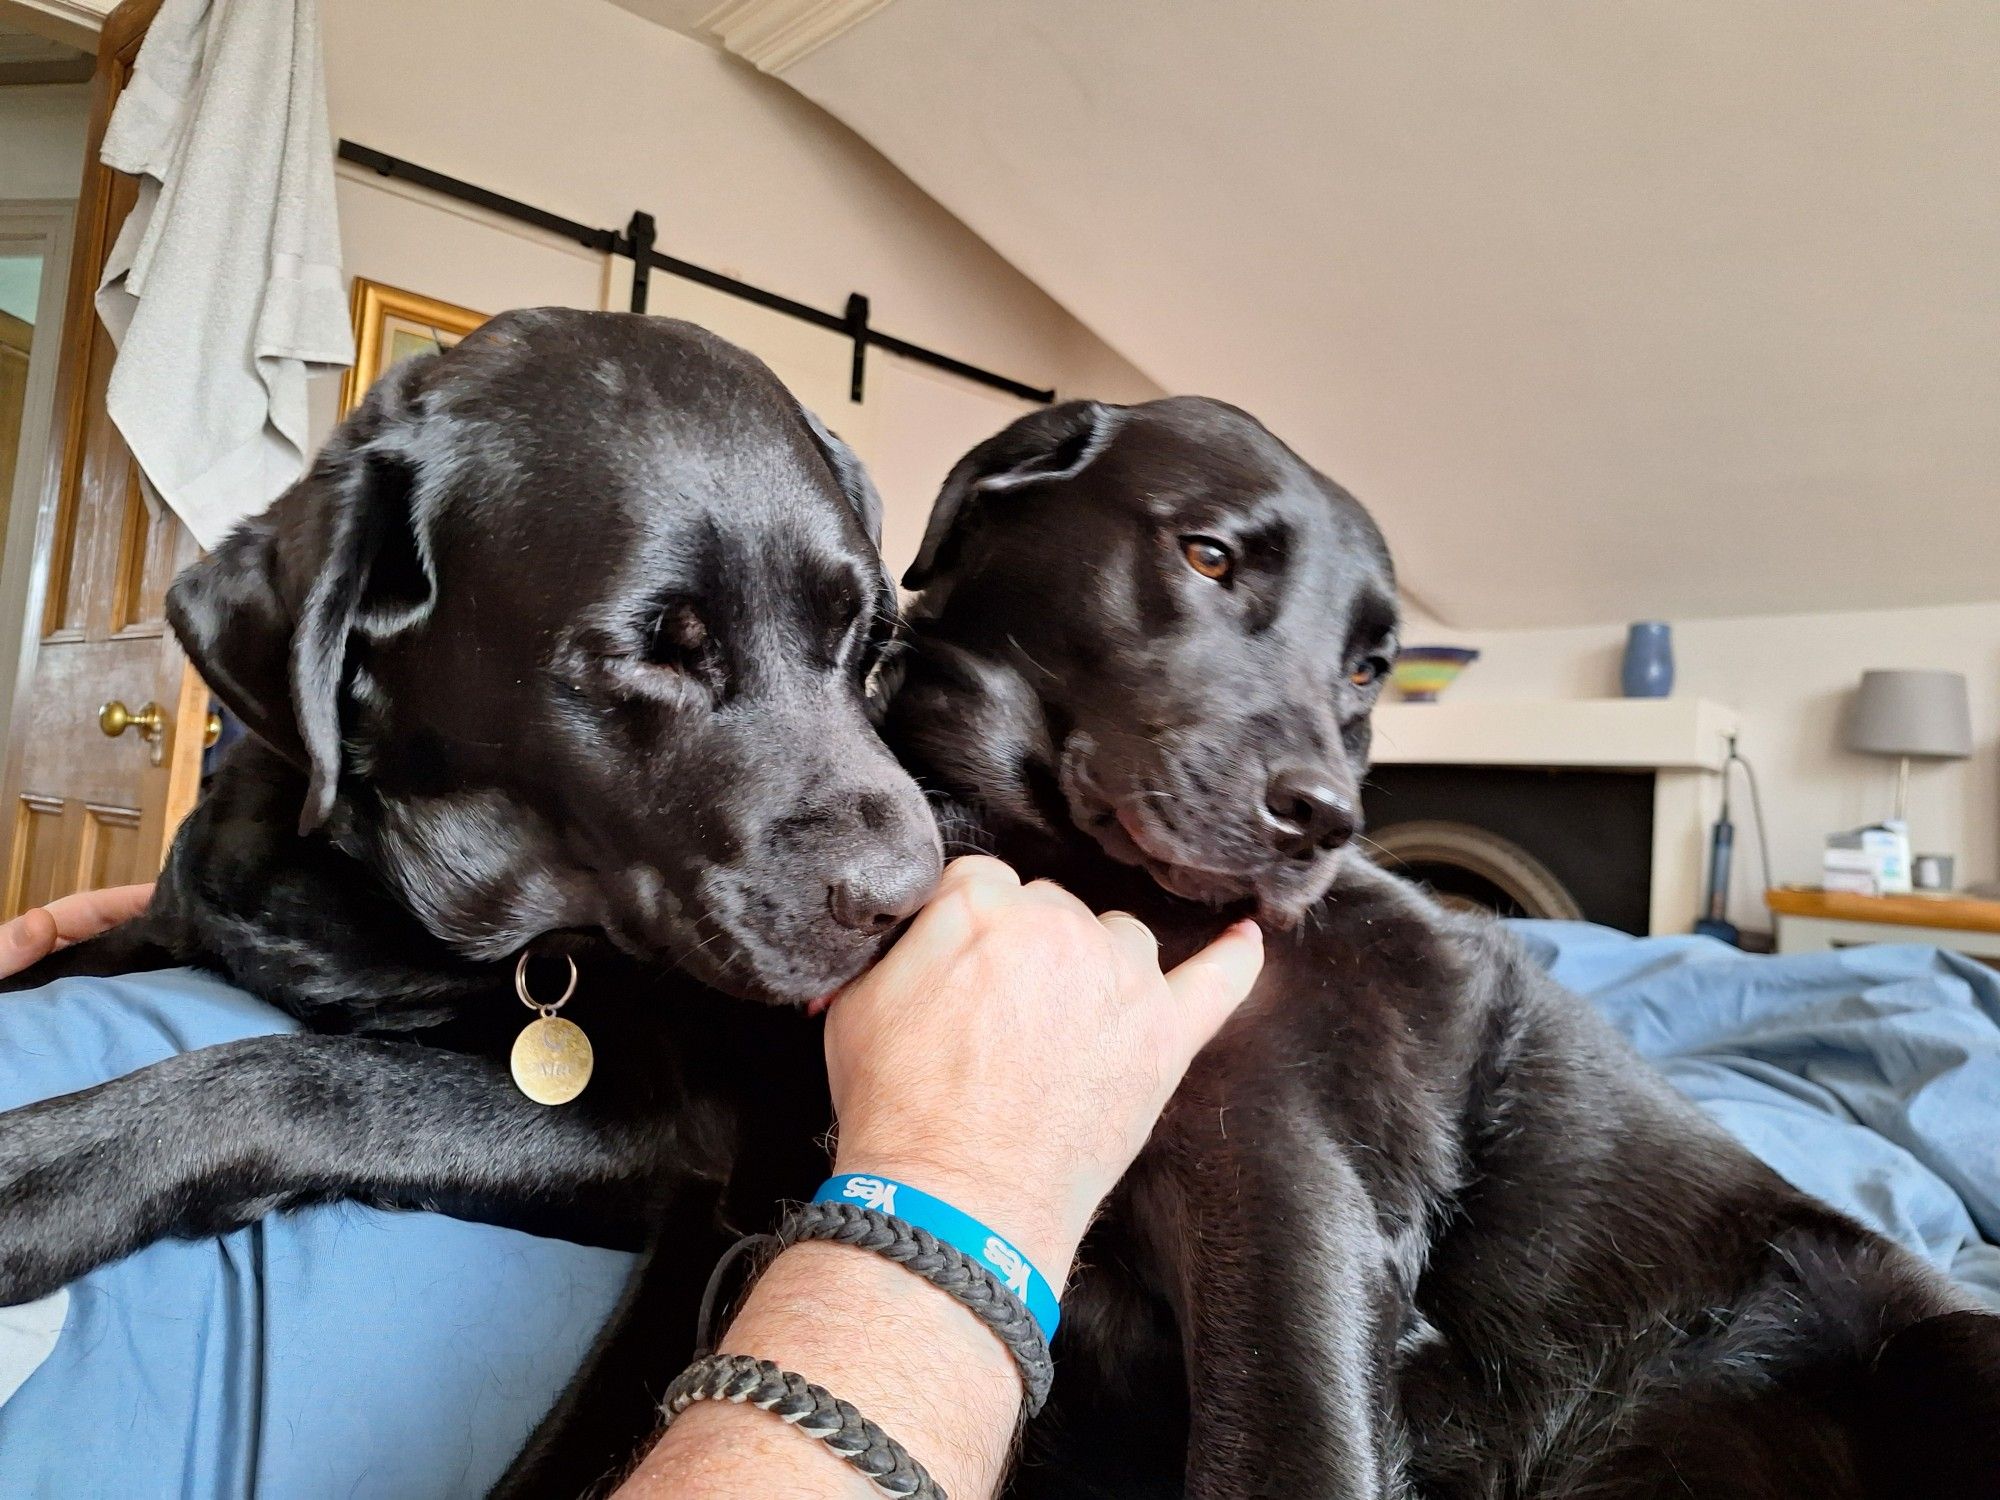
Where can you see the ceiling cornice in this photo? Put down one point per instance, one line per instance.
(771, 35)
(76, 22)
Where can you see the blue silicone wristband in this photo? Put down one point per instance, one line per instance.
(960, 1230)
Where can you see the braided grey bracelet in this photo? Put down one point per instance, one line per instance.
(743, 1380)
(945, 1267)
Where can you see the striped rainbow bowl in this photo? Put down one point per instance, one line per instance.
(1422, 672)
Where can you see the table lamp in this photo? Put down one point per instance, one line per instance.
(1910, 715)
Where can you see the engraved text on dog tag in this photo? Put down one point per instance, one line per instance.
(551, 1060)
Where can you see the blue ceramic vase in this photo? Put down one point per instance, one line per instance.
(1649, 660)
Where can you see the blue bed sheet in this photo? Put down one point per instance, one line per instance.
(1869, 1077)
(341, 1351)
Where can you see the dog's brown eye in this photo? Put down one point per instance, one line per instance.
(1208, 557)
(1369, 672)
(875, 644)
(679, 638)
(679, 631)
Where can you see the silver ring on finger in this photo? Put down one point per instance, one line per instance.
(1126, 916)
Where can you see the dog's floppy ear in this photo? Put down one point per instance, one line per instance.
(854, 480)
(268, 615)
(1058, 443)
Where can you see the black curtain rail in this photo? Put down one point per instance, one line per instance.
(637, 244)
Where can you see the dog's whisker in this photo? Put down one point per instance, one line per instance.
(1026, 656)
(1367, 843)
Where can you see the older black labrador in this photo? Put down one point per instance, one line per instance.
(562, 643)
(1418, 1223)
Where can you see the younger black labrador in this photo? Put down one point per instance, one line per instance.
(1418, 1223)
(563, 643)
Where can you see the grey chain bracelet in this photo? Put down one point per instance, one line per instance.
(945, 1267)
(812, 1410)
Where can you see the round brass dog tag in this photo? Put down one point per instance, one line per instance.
(551, 1060)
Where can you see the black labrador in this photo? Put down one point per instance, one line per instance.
(561, 643)
(1418, 1223)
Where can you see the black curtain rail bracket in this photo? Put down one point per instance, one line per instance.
(637, 244)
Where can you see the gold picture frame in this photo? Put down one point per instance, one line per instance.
(391, 324)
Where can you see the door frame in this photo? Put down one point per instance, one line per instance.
(45, 224)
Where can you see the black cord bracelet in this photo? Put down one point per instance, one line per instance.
(814, 1411)
(945, 1267)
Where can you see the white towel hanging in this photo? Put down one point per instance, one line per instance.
(223, 291)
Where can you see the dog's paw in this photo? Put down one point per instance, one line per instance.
(25, 1279)
(65, 1207)
(33, 1263)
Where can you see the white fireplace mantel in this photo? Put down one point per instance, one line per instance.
(1683, 743)
(1638, 734)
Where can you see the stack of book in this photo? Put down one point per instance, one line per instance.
(1873, 861)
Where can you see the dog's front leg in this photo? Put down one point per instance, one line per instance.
(1287, 1307)
(209, 1140)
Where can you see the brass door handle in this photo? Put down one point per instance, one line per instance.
(114, 718)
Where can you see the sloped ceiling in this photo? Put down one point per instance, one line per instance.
(1609, 310)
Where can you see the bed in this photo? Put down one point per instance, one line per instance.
(345, 1351)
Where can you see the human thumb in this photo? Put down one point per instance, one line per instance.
(1210, 985)
(27, 939)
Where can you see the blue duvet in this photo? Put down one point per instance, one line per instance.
(1868, 1076)
(342, 1351)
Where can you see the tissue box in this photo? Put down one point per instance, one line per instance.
(1868, 861)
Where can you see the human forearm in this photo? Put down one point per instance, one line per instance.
(906, 1355)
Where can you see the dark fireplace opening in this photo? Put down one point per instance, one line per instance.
(1521, 841)
(1468, 866)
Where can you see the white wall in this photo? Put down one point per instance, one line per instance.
(1790, 676)
(42, 131)
(585, 109)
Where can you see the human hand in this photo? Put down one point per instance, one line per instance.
(37, 933)
(1011, 1052)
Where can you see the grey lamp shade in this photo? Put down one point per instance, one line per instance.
(1911, 713)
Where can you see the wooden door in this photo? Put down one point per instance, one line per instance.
(79, 808)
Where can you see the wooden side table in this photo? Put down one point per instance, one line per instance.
(1812, 921)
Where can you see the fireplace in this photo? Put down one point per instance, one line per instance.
(1594, 810)
(1522, 841)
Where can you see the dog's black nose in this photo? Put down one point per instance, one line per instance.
(1308, 811)
(874, 898)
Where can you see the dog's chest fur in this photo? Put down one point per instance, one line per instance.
(1359, 1024)
(1373, 1039)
